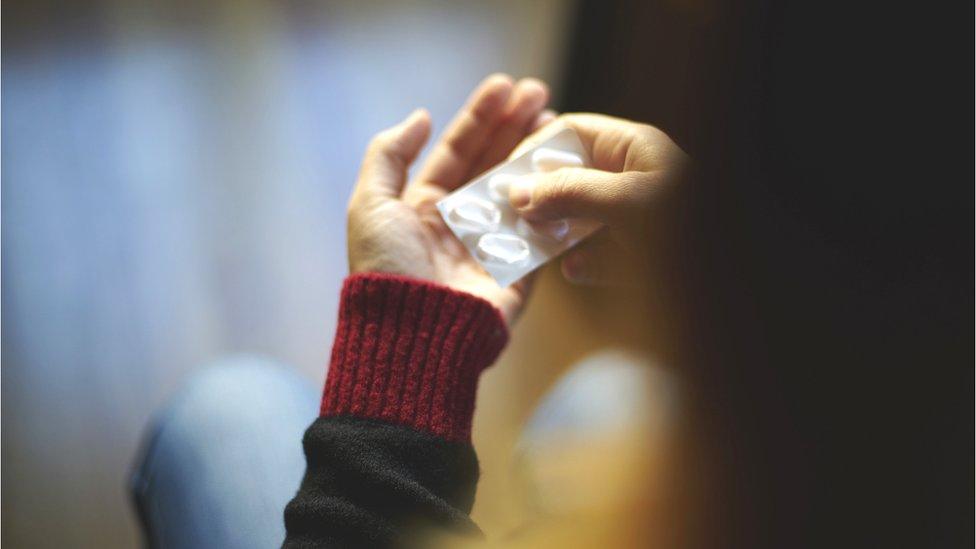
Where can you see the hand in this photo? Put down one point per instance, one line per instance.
(395, 227)
(635, 167)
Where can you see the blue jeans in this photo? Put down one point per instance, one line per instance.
(225, 456)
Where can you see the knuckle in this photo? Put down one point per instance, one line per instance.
(560, 186)
(648, 134)
(635, 193)
(559, 182)
(648, 129)
(665, 149)
(564, 188)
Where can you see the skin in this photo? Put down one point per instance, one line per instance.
(394, 226)
(634, 168)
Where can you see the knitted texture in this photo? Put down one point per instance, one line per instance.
(410, 352)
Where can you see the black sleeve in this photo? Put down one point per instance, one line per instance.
(390, 459)
(368, 484)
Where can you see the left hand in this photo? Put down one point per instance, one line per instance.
(635, 187)
(395, 227)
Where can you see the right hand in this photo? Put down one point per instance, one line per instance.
(634, 167)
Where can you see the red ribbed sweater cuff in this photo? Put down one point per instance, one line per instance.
(410, 352)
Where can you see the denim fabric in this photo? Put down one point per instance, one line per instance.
(224, 458)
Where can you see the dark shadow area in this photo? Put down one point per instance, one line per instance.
(825, 269)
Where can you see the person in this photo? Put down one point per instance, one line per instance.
(811, 299)
(390, 454)
(420, 320)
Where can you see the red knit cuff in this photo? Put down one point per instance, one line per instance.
(410, 352)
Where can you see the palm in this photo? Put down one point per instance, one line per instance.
(405, 233)
(450, 261)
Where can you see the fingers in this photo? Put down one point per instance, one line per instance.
(544, 118)
(598, 261)
(613, 144)
(524, 106)
(547, 125)
(390, 153)
(608, 197)
(466, 137)
(522, 290)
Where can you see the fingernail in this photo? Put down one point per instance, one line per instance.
(573, 268)
(520, 192)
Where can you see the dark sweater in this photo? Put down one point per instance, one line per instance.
(391, 455)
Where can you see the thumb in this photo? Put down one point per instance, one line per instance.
(390, 153)
(608, 197)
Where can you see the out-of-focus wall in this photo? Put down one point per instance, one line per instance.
(174, 188)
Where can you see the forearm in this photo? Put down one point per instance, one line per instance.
(392, 447)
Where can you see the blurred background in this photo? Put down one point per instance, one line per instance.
(175, 176)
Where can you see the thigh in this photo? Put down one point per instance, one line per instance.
(592, 443)
(225, 456)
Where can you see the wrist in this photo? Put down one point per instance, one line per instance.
(410, 352)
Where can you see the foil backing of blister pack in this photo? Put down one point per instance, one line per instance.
(507, 246)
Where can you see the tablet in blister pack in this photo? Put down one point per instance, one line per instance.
(507, 246)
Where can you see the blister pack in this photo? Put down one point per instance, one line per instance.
(507, 246)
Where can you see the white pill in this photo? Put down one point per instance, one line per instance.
(506, 249)
(547, 160)
(499, 184)
(476, 215)
(556, 230)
